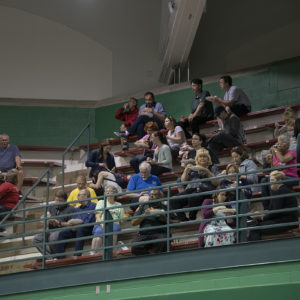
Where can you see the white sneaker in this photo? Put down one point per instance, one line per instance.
(92, 253)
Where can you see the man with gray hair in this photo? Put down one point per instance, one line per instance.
(85, 215)
(142, 180)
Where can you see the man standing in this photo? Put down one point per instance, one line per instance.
(58, 221)
(81, 185)
(231, 135)
(150, 111)
(234, 98)
(10, 158)
(201, 109)
(84, 216)
(150, 216)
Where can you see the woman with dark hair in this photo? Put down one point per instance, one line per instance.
(241, 158)
(146, 143)
(101, 159)
(175, 135)
(217, 226)
(162, 158)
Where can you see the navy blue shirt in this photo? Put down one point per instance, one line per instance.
(88, 217)
(8, 157)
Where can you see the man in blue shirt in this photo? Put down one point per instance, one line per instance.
(150, 111)
(142, 180)
(84, 216)
(10, 158)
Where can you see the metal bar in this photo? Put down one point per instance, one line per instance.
(168, 220)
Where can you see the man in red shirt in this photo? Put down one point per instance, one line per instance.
(128, 117)
(9, 195)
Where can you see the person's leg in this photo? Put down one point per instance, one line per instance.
(81, 232)
(53, 237)
(255, 235)
(3, 209)
(116, 228)
(195, 124)
(38, 239)
(63, 235)
(140, 249)
(239, 109)
(20, 176)
(158, 247)
(139, 124)
(135, 162)
(157, 170)
(185, 125)
(178, 204)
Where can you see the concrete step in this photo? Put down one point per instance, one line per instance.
(35, 168)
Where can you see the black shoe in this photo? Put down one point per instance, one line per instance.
(193, 215)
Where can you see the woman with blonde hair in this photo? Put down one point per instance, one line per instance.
(203, 169)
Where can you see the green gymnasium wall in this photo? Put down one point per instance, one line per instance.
(276, 282)
(278, 85)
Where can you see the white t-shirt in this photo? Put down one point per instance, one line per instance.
(173, 144)
(111, 183)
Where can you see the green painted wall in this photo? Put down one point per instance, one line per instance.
(278, 85)
(278, 281)
(45, 126)
(56, 126)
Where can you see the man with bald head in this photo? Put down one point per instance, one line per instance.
(10, 158)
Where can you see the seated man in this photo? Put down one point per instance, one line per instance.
(150, 111)
(231, 135)
(82, 217)
(149, 217)
(81, 185)
(9, 195)
(142, 180)
(201, 109)
(283, 199)
(56, 222)
(128, 117)
(10, 158)
(234, 98)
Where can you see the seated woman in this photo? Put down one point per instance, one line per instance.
(101, 159)
(230, 182)
(116, 213)
(189, 154)
(217, 226)
(162, 158)
(241, 159)
(289, 118)
(103, 179)
(282, 156)
(203, 169)
(175, 135)
(144, 142)
(286, 201)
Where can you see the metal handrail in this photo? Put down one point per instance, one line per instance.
(240, 229)
(86, 127)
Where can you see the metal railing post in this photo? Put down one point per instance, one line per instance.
(168, 221)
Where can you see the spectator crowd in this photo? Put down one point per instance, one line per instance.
(202, 186)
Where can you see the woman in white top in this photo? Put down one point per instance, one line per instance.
(162, 158)
(116, 213)
(175, 135)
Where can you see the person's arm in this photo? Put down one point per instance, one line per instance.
(196, 112)
(18, 163)
(159, 112)
(178, 138)
(282, 158)
(207, 212)
(167, 156)
(251, 178)
(138, 212)
(143, 142)
(90, 162)
(185, 174)
(120, 115)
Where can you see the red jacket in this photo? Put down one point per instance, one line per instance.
(9, 195)
(129, 117)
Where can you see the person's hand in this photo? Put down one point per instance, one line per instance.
(103, 165)
(125, 106)
(191, 117)
(92, 185)
(276, 125)
(149, 160)
(243, 177)
(148, 211)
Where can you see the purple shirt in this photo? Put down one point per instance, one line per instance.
(8, 157)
